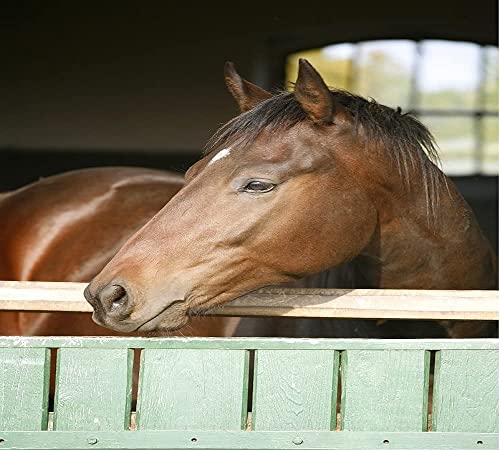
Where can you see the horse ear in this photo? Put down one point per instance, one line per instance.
(314, 96)
(246, 94)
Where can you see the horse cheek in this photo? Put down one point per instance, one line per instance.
(348, 229)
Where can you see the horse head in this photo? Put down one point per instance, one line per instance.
(297, 183)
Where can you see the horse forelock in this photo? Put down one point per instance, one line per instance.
(405, 140)
(277, 113)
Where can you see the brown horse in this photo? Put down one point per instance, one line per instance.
(300, 183)
(67, 227)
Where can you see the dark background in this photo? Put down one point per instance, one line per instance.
(140, 83)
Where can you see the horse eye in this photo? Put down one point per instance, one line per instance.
(258, 186)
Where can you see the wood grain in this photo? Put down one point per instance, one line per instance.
(199, 385)
(384, 390)
(248, 440)
(246, 343)
(93, 389)
(295, 390)
(24, 386)
(43, 296)
(192, 390)
(341, 303)
(466, 391)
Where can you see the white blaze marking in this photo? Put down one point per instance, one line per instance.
(222, 154)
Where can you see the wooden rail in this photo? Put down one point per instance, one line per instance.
(342, 303)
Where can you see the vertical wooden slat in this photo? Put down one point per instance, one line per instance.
(24, 387)
(295, 390)
(465, 396)
(385, 390)
(93, 389)
(192, 389)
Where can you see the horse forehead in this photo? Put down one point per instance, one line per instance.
(271, 151)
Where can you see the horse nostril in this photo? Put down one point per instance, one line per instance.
(119, 295)
(113, 296)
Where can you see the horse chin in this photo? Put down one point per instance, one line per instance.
(169, 319)
(164, 322)
(115, 326)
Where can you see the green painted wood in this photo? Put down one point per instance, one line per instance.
(24, 387)
(474, 410)
(384, 390)
(295, 390)
(466, 391)
(250, 440)
(192, 389)
(93, 389)
(250, 343)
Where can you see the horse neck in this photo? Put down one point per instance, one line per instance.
(413, 250)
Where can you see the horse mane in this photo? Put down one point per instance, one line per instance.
(405, 139)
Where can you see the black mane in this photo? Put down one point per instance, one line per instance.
(407, 141)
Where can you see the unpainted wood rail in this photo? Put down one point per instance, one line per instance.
(288, 302)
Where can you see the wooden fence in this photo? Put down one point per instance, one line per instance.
(341, 303)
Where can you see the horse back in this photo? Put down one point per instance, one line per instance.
(67, 227)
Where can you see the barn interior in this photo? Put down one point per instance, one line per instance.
(87, 84)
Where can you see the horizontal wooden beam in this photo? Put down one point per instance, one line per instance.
(245, 343)
(43, 296)
(287, 302)
(368, 303)
(245, 440)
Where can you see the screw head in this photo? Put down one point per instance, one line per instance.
(92, 441)
(297, 440)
